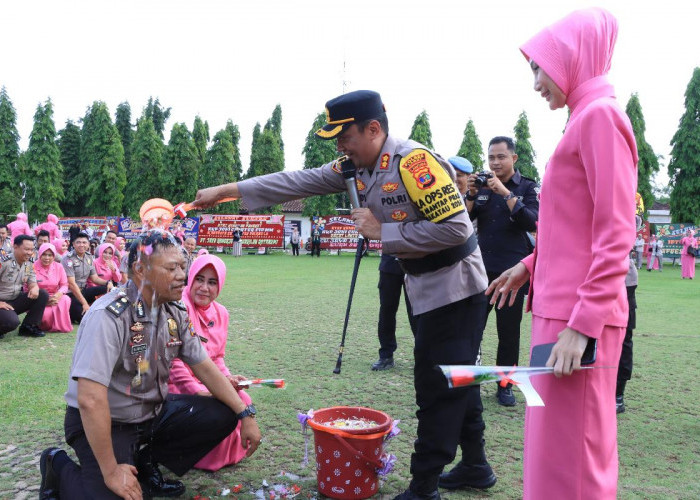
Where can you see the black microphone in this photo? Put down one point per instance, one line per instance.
(348, 169)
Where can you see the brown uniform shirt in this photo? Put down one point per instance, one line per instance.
(116, 335)
(412, 194)
(14, 276)
(79, 268)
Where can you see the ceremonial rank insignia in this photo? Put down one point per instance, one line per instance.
(398, 215)
(360, 185)
(137, 327)
(385, 162)
(118, 306)
(172, 330)
(140, 310)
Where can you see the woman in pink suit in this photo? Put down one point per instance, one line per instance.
(106, 265)
(688, 261)
(20, 226)
(210, 319)
(51, 277)
(586, 229)
(51, 225)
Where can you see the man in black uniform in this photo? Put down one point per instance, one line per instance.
(390, 286)
(120, 420)
(506, 208)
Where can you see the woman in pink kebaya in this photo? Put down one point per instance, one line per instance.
(577, 271)
(687, 260)
(210, 320)
(51, 276)
(106, 265)
(20, 226)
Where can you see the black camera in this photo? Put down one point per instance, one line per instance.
(482, 179)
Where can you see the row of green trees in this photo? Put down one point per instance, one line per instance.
(103, 167)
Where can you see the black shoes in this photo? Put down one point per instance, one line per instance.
(480, 477)
(505, 396)
(619, 404)
(383, 364)
(49, 479)
(153, 484)
(30, 331)
(411, 495)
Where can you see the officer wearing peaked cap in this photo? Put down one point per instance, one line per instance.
(408, 201)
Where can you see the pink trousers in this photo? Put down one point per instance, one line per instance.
(571, 442)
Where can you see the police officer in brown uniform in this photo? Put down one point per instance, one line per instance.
(80, 266)
(5, 241)
(411, 203)
(16, 271)
(120, 420)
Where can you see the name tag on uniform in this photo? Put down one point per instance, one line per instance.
(138, 348)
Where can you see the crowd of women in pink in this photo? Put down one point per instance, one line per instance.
(106, 266)
(210, 320)
(51, 277)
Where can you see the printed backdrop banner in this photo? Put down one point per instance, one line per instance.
(129, 229)
(97, 224)
(671, 234)
(258, 230)
(339, 233)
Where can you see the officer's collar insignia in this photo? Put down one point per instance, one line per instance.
(384, 165)
(140, 310)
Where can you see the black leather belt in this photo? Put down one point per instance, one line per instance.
(438, 260)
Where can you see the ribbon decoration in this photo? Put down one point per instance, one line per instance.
(395, 431)
(388, 461)
(303, 418)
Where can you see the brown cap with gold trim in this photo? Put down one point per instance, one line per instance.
(353, 107)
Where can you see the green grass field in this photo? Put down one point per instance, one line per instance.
(286, 321)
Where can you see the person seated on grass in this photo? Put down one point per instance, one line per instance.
(79, 266)
(61, 246)
(210, 319)
(106, 266)
(119, 419)
(16, 272)
(51, 277)
(5, 240)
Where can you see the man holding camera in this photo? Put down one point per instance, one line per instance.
(506, 206)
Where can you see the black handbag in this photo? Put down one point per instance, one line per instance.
(692, 251)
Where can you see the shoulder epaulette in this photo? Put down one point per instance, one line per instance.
(6, 256)
(119, 305)
(179, 304)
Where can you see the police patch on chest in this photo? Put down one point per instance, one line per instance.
(394, 200)
(360, 185)
(398, 215)
(138, 348)
(390, 187)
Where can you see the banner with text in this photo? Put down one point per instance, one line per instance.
(129, 229)
(671, 234)
(339, 233)
(96, 225)
(257, 230)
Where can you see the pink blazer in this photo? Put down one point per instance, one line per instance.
(586, 221)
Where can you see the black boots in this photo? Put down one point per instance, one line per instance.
(421, 489)
(152, 481)
(473, 471)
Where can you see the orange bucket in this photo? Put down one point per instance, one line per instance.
(347, 460)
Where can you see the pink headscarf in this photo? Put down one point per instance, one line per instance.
(22, 216)
(575, 49)
(212, 319)
(52, 218)
(202, 251)
(102, 248)
(44, 247)
(120, 241)
(58, 244)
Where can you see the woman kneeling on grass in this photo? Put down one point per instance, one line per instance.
(210, 320)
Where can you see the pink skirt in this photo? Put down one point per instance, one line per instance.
(571, 442)
(687, 266)
(57, 318)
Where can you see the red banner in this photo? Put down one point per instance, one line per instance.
(339, 233)
(258, 230)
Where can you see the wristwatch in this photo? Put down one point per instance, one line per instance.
(249, 411)
(509, 196)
